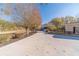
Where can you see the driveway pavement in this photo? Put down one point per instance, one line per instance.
(41, 44)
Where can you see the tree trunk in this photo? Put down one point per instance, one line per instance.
(27, 31)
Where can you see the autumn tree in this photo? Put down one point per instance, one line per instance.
(58, 22)
(25, 15)
(35, 19)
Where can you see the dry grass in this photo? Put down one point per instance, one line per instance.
(5, 37)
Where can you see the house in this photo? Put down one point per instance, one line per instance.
(72, 28)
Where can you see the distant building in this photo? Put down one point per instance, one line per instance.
(72, 27)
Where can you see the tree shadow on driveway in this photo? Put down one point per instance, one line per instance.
(66, 37)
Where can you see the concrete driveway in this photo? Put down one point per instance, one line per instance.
(41, 44)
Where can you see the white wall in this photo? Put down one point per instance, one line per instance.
(69, 26)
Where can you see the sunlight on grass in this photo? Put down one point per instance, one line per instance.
(5, 37)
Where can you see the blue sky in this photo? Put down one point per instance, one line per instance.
(50, 11)
(2, 16)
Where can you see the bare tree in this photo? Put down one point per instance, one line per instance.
(25, 15)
